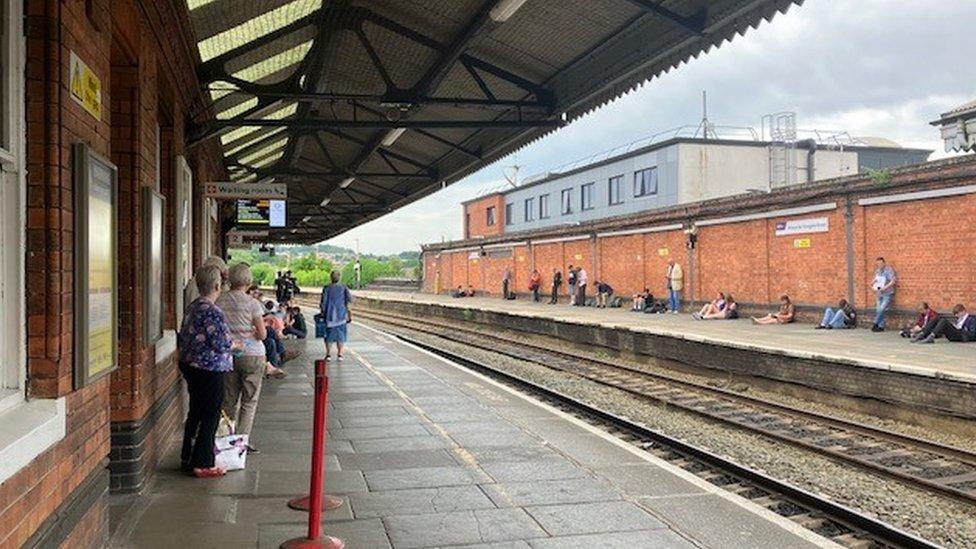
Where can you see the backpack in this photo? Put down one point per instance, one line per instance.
(616, 302)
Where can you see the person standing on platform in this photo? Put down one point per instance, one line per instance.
(506, 280)
(535, 282)
(581, 280)
(245, 318)
(205, 346)
(557, 281)
(884, 287)
(571, 284)
(676, 283)
(335, 310)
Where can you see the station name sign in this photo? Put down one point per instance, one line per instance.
(802, 226)
(254, 191)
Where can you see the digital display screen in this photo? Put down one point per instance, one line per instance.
(261, 213)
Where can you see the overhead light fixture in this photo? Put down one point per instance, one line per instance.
(346, 182)
(392, 136)
(505, 9)
(326, 201)
(306, 218)
(293, 231)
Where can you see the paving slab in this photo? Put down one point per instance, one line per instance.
(425, 454)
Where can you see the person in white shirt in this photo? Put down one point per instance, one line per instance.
(581, 287)
(962, 329)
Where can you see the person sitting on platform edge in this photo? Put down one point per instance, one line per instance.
(785, 314)
(470, 291)
(459, 292)
(641, 300)
(963, 330)
(535, 282)
(884, 287)
(204, 358)
(603, 294)
(844, 316)
(709, 309)
(729, 311)
(926, 314)
(557, 281)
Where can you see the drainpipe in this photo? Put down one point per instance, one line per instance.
(811, 151)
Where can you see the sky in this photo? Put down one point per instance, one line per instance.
(880, 68)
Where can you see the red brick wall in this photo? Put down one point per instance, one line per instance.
(927, 242)
(476, 216)
(95, 30)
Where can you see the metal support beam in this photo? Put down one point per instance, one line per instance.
(695, 23)
(284, 171)
(400, 98)
(321, 124)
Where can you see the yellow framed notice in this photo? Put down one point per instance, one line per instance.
(86, 87)
(96, 340)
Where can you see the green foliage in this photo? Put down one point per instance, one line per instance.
(312, 272)
(263, 274)
(881, 177)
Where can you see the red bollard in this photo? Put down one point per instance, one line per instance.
(314, 499)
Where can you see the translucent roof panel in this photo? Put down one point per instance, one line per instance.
(240, 108)
(252, 140)
(254, 28)
(273, 146)
(237, 133)
(278, 63)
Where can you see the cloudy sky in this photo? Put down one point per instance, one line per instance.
(870, 67)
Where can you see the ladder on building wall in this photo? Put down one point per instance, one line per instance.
(782, 148)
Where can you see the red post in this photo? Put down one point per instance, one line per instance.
(314, 499)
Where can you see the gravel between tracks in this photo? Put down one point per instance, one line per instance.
(942, 520)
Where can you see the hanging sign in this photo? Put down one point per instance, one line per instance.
(802, 226)
(256, 191)
(86, 88)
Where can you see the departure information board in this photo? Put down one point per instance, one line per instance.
(261, 213)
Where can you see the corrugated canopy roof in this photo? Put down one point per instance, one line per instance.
(364, 106)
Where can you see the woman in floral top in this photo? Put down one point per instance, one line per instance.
(205, 347)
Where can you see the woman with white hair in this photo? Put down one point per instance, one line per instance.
(190, 293)
(335, 310)
(244, 316)
(205, 347)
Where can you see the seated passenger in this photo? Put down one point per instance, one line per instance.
(458, 293)
(710, 309)
(962, 329)
(785, 314)
(604, 291)
(295, 323)
(844, 316)
(728, 311)
(926, 314)
(470, 290)
(641, 300)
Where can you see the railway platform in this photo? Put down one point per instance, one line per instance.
(425, 453)
(883, 367)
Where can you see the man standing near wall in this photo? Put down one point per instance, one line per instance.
(581, 280)
(571, 283)
(884, 286)
(506, 280)
(676, 279)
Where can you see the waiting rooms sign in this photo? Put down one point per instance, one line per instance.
(802, 226)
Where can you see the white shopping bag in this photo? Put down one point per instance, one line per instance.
(230, 452)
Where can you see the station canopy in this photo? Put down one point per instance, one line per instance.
(362, 107)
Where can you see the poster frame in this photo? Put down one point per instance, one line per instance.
(150, 226)
(84, 159)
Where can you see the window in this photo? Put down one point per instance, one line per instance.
(645, 182)
(529, 209)
(567, 201)
(544, 206)
(490, 216)
(5, 73)
(509, 213)
(586, 197)
(614, 185)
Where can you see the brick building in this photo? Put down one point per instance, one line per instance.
(119, 78)
(816, 242)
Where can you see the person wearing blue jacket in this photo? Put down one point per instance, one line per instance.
(335, 309)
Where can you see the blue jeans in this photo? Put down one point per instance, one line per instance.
(834, 318)
(881, 307)
(674, 299)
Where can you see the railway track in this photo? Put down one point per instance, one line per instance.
(842, 525)
(934, 466)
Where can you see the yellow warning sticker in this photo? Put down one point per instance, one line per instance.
(86, 87)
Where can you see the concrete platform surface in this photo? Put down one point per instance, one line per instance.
(883, 351)
(427, 454)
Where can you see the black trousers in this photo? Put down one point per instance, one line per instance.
(555, 293)
(505, 289)
(940, 327)
(206, 390)
(535, 294)
(581, 295)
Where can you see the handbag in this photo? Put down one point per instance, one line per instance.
(230, 452)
